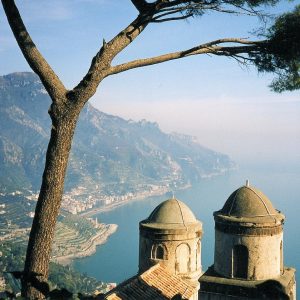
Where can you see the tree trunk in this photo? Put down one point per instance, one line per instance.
(34, 281)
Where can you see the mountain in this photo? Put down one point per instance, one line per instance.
(109, 154)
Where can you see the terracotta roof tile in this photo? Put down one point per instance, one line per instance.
(155, 284)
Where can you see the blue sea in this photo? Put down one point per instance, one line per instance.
(118, 258)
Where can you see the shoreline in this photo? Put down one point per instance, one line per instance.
(124, 202)
(99, 239)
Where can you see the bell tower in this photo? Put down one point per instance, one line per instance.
(171, 236)
(248, 259)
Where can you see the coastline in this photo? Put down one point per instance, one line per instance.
(101, 238)
(139, 197)
(98, 239)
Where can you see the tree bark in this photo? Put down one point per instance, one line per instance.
(34, 282)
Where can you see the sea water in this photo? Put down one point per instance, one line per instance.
(118, 258)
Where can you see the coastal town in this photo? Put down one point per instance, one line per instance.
(75, 237)
(79, 201)
(82, 201)
(79, 230)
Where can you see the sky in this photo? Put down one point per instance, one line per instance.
(228, 107)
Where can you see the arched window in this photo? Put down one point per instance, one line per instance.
(159, 253)
(182, 258)
(240, 258)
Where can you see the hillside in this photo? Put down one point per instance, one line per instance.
(109, 154)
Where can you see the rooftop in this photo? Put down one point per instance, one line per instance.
(172, 211)
(156, 283)
(249, 203)
(274, 288)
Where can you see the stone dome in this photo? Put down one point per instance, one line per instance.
(249, 204)
(171, 235)
(172, 211)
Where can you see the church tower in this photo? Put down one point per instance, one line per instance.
(248, 260)
(171, 236)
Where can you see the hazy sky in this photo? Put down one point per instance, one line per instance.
(229, 108)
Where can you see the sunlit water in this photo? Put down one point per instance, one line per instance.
(118, 258)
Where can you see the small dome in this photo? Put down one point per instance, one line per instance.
(172, 211)
(248, 202)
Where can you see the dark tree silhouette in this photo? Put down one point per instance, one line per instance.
(269, 54)
(281, 54)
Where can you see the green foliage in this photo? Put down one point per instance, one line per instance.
(61, 277)
(66, 277)
(84, 226)
(281, 53)
(252, 3)
(198, 8)
(17, 208)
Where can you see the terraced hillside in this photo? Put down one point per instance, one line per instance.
(75, 236)
(78, 237)
(15, 212)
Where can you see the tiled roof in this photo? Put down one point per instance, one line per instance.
(155, 284)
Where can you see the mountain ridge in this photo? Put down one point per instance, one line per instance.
(109, 154)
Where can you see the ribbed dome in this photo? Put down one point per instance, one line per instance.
(248, 202)
(172, 211)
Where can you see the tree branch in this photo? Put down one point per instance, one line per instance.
(192, 8)
(160, 4)
(39, 65)
(141, 5)
(171, 19)
(208, 48)
(101, 63)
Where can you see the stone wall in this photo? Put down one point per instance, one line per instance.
(264, 254)
(178, 250)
